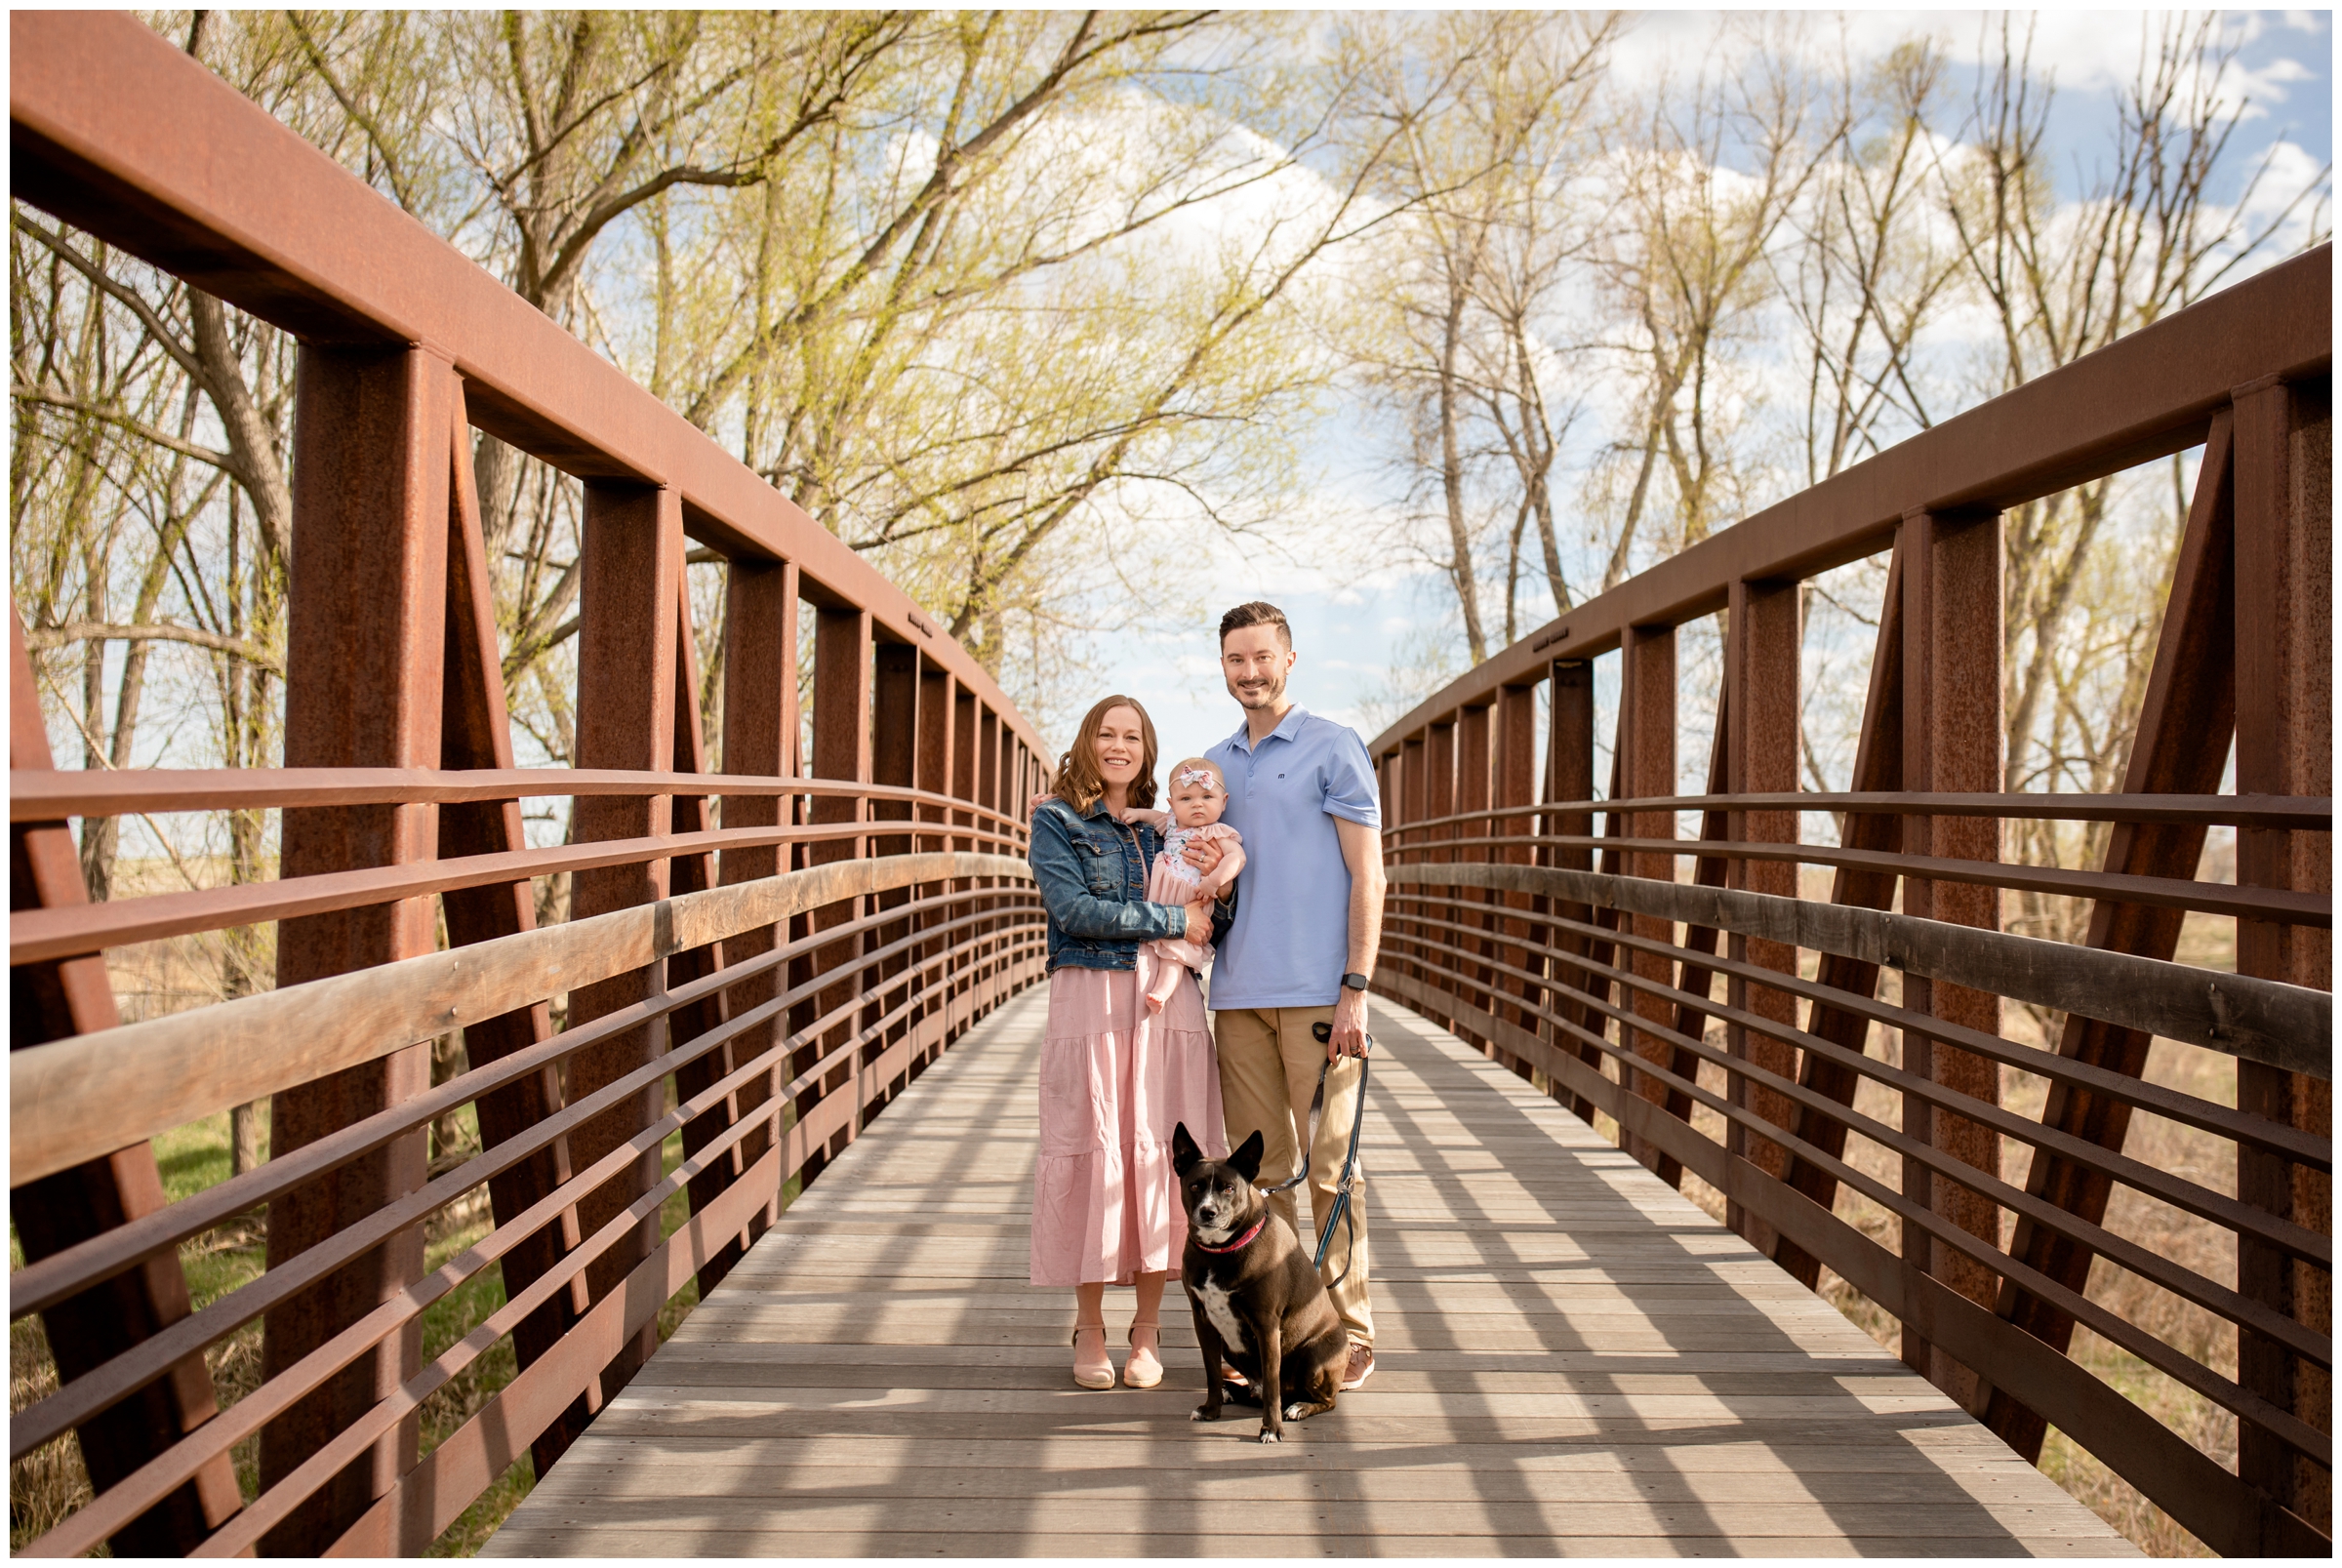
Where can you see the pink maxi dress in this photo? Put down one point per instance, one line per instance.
(1114, 1080)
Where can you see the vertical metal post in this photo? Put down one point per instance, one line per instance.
(364, 641)
(894, 761)
(842, 674)
(937, 703)
(1474, 767)
(965, 1001)
(1569, 778)
(1439, 800)
(49, 1002)
(1516, 786)
(1761, 681)
(1646, 719)
(1952, 740)
(630, 594)
(963, 764)
(1413, 792)
(2284, 704)
(987, 796)
(760, 741)
(895, 740)
(1877, 769)
(937, 688)
(693, 873)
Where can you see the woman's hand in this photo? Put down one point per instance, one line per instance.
(1203, 854)
(1199, 922)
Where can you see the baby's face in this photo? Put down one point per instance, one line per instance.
(1194, 805)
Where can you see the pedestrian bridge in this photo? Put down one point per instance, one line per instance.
(1575, 1361)
(772, 1058)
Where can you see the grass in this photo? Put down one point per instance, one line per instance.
(50, 1484)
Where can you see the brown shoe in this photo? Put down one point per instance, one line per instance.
(1361, 1368)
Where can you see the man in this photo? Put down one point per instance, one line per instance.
(1298, 952)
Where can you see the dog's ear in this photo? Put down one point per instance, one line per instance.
(1185, 1155)
(1247, 1157)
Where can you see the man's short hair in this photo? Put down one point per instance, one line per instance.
(1259, 613)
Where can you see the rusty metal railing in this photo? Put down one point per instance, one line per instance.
(1591, 959)
(786, 942)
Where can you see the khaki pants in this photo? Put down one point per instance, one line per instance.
(1269, 1062)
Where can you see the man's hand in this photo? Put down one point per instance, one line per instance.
(1199, 922)
(1203, 854)
(1349, 1025)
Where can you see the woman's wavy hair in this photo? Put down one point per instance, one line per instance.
(1079, 784)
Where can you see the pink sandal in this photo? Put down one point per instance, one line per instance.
(1145, 1368)
(1092, 1372)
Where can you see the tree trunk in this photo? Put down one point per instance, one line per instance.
(251, 442)
(244, 1139)
(1452, 475)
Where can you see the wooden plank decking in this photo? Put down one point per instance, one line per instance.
(1574, 1361)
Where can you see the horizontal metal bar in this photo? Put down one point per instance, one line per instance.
(2297, 1145)
(81, 1098)
(74, 929)
(2192, 1197)
(45, 794)
(2280, 905)
(62, 1275)
(2266, 1021)
(96, 1391)
(2297, 813)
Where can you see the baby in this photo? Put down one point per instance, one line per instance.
(1198, 795)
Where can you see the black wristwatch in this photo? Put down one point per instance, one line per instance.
(1356, 981)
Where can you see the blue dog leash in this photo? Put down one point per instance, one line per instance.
(1348, 1180)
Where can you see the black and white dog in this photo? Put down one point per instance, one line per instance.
(1259, 1303)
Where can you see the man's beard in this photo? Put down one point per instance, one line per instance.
(1264, 697)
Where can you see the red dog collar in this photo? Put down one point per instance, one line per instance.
(1237, 1245)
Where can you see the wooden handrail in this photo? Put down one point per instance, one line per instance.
(78, 1099)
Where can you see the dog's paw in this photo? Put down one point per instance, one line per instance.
(1296, 1410)
(1268, 1436)
(1203, 1412)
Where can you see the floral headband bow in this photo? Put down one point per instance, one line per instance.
(1201, 776)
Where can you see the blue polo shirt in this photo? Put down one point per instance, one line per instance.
(1290, 941)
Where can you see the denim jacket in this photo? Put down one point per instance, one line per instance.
(1092, 870)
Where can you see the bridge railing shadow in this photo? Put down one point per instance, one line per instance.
(1500, 1416)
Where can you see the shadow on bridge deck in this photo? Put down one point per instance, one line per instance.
(1574, 1361)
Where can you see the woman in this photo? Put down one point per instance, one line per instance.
(1116, 1078)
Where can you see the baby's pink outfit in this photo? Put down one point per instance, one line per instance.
(1174, 881)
